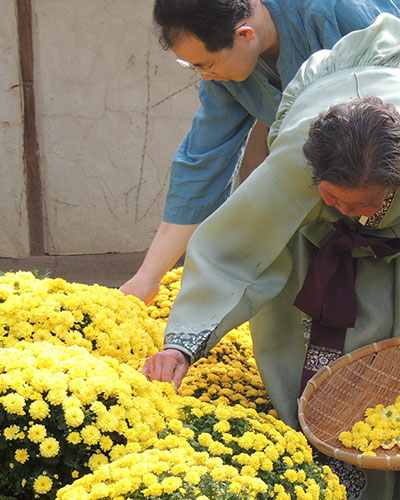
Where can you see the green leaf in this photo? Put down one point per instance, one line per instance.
(35, 273)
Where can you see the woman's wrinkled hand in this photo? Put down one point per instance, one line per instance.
(170, 365)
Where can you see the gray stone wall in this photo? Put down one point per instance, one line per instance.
(13, 215)
(111, 108)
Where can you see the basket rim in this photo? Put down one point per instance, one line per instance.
(388, 462)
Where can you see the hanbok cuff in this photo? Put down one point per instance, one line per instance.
(195, 345)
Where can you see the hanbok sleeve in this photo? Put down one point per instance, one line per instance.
(237, 259)
(205, 164)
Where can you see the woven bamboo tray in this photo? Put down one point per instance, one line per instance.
(338, 395)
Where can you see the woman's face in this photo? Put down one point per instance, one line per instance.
(353, 202)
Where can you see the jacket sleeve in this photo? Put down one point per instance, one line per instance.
(238, 259)
(205, 164)
(327, 22)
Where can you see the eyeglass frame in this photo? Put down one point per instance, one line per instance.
(210, 71)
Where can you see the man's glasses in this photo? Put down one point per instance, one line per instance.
(203, 71)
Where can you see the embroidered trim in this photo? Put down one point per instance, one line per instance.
(374, 220)
(319, 356)
(194, 342)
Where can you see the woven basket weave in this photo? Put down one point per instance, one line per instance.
(338, 395)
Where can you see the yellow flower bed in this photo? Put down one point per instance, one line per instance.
(212, 452)
(80, 423)
(380, 428)
(229, 374)
(65, 412)
(164, 474)
(101, 319)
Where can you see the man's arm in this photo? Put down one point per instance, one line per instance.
(202, 176)
(166, 248)
(205, 164)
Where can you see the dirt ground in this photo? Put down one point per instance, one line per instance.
(105, 269)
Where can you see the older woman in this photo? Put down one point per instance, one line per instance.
(340, 214)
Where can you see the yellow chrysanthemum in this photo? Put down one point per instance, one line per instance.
(42, 485)
(21, 455)
(74, 416)
(13, 403)
(39, 410)
(90, 435)
(96, 461)
(11, 432)
(37, 433)
(49, 447)
(74, 438)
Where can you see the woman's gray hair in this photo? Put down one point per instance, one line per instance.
(356, 144)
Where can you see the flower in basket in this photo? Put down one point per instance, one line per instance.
(102, 320)
(65, 412)
(379, 429)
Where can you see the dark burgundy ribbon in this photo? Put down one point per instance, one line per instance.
(328, 293)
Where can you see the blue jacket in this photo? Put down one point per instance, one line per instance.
(206, 162)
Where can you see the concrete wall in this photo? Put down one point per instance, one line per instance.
(111, 108)
(13, 216)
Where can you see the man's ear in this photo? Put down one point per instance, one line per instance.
(246, 32)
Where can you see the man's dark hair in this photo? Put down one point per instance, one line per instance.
(356, 144)
(212, 21)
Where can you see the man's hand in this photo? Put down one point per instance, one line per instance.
(167, 247)
(141, 286)
(169, 365)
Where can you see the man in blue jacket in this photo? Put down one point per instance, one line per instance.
(246, 52)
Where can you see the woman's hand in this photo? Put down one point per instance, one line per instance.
(169, 365)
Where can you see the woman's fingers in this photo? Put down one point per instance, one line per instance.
(170, 365)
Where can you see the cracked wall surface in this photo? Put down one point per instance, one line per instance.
(112, 107)
(13, 215)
